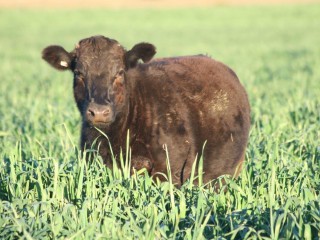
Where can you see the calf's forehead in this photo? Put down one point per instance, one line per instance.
(99, 51)
(99, 55)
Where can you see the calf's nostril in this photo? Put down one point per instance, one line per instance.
(106, 112)
(90, 113)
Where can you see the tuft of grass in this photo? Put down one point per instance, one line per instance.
(49, 191)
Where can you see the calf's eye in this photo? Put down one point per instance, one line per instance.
(77, 73)
(121, 72)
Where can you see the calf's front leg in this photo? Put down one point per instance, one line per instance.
(140, 162)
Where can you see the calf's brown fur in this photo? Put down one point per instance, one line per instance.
(180, 102)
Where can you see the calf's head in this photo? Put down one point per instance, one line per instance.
(99, 66)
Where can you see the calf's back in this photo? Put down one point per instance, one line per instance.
(182, 103)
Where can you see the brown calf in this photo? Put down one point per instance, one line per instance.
(179, 102)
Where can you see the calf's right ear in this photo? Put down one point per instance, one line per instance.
(57, 57)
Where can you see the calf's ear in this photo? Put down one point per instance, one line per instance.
(143, 51)
(57, 57)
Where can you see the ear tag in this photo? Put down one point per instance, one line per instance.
(64, 63)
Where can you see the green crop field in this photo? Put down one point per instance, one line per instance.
(47, 191)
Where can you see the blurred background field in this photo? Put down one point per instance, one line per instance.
(47, 191)
(142, 3)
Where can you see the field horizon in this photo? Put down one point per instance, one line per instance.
(144, 4)
(48, 191)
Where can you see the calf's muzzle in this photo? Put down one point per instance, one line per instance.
(98, 114)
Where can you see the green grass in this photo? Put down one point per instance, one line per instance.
(48, 191)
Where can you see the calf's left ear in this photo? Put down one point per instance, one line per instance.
(57, 57)
(143, 51)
